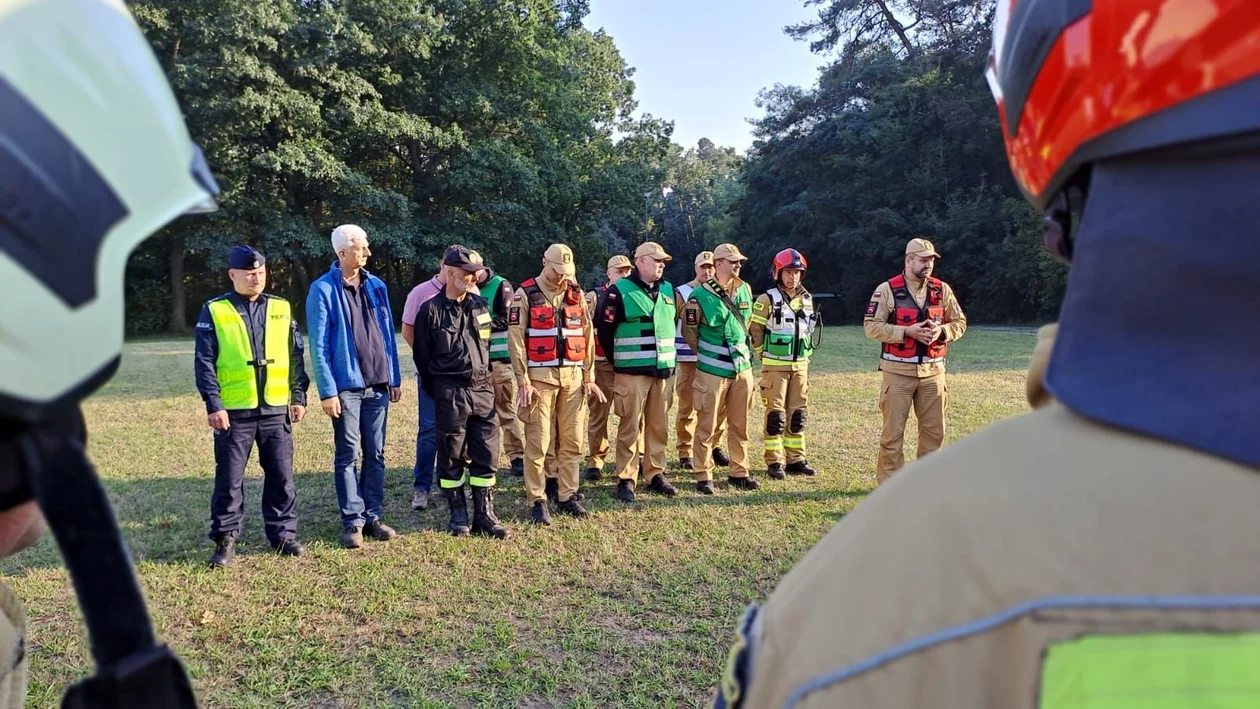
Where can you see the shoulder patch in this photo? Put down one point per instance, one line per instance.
(759, 306)
(668, 300)
(871, 308)
(740, 661)
(610, 313)
(514, 314)
(876, 294)
(517, 297)
(612, 293)
(205, 326)
(693, 316)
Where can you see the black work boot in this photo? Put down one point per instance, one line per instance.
(704, 487)
(288, 547)
(572, 507)
(745, 483)
(518, 467)
(775, 471)
(685, 464)
(800, 467)
(540, 514)
(594, 474)
(458, 505)
(625, 490)
(720, 457)
(661, 486)
(484, 520)
(553, 490)
(224, 551)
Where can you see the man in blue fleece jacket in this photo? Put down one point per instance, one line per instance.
(355, 362)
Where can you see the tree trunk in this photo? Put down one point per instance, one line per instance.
(896, 26)
(178, 322)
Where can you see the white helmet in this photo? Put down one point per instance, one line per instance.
(94, 157)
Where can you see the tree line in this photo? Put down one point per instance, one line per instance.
(506, 125)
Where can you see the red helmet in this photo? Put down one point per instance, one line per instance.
(788, 258)
(1077, 81)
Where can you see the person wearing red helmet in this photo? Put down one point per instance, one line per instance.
(782, 327)
(1100, 550)
(914, 316)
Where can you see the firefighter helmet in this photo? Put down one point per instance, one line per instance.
(788, 258)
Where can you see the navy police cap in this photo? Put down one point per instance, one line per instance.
(246, 258)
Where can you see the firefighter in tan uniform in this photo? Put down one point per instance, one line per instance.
(715, 326)
(550, 340)
(498, 293)
(685, 424)
(1101, 550)
(915, 316)
(619, 267)
(783, 326)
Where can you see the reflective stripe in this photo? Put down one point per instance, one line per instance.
(635, 341)
(795, 443)
(759, 320)
(911, 360)
(634, 354)
(570, 332)
(497, 347)
(720, 349)
(567, 363)
(774, 444)
(716, 363)
(548, 363)
(543, 333)
(452, 484)
(1002, 617)
(481, 482)
(484, 333)
(483, 317)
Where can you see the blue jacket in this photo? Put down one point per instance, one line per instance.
(334, 361)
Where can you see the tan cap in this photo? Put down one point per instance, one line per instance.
(561, 258)
(653, 249)
(704, 258)
(728, 252)
(620, 261)
(921, 247)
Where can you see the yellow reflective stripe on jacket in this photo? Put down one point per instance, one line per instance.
(238, 383)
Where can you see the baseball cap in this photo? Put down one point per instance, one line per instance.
(463, 258)
(728, 252)
(921, 247)
(704, 258)
(245, 258)
(561, 258)
(620, 261)
(653, 249)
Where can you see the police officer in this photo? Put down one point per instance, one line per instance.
(549, 338)
(783, 327)
(715, 326)
(249, 370)
(915, 316)
(637, 319)
(498, 293)
(597, 424)
(685, 424)
(452, 356)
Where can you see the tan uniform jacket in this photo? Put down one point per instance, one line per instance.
(757, 331)
(691, 323)
(950, 585)
(878, 328)
(518, 321)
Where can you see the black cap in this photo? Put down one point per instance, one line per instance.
(463, 257)
(246, 258)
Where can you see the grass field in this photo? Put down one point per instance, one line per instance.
(632, 608)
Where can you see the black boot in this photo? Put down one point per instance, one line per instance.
(288, 547)
(746, 483)
(553, 490)
(540, 514)
(685, 464)
(459, 511)
(720, 457)
(593, 474)
(800, 467)
(775, 471)
(661, 486)
(484, 520)
(572, 507)
(704, 487)
(518, 467)
(625, 490)
(224, 551)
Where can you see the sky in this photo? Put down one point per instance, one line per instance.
(700, 63)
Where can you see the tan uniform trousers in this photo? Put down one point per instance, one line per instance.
(555, 414)
(685, 424)
(505, 408)
(717, 399)
(929, 397)
(598, 449)
(640, 403)
(784, 393)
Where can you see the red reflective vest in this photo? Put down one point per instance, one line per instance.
(554, 337)
(599, 347)
(906, 312)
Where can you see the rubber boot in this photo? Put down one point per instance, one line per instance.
(459, 511)
(484, 521)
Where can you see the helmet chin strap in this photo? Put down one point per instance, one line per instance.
(133, 670)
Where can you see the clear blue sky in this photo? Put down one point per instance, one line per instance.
(700, 63)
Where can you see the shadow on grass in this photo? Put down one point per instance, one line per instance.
(166, 520)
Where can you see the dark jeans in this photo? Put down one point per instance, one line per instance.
(426, 445)
(361, 427)
(274, 435)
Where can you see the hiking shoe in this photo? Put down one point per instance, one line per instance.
(379, 531)
(352, 538)
(419, 499)
(224, 552)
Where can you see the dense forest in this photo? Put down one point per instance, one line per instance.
(506, 125)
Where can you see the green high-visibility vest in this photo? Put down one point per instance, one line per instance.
(645, 340)
(724, 350)
(789, 333)
(498, 338)
(236, 365)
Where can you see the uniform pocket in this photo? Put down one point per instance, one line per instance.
(620, 394)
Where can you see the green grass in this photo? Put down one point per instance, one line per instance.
(632, 608)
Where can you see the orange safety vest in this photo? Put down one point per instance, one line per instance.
(554, 336)
(907, 312)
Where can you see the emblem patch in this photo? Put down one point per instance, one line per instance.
(610, 313)
(692, 317)
(514, 315)
(871, 308)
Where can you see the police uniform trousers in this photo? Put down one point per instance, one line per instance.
(597, 417)
(929, 397)
(643, 430)
(467, 432)
(505, 408)
(556, 413)
(785, 395)
(716, 399)
(274, 435)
